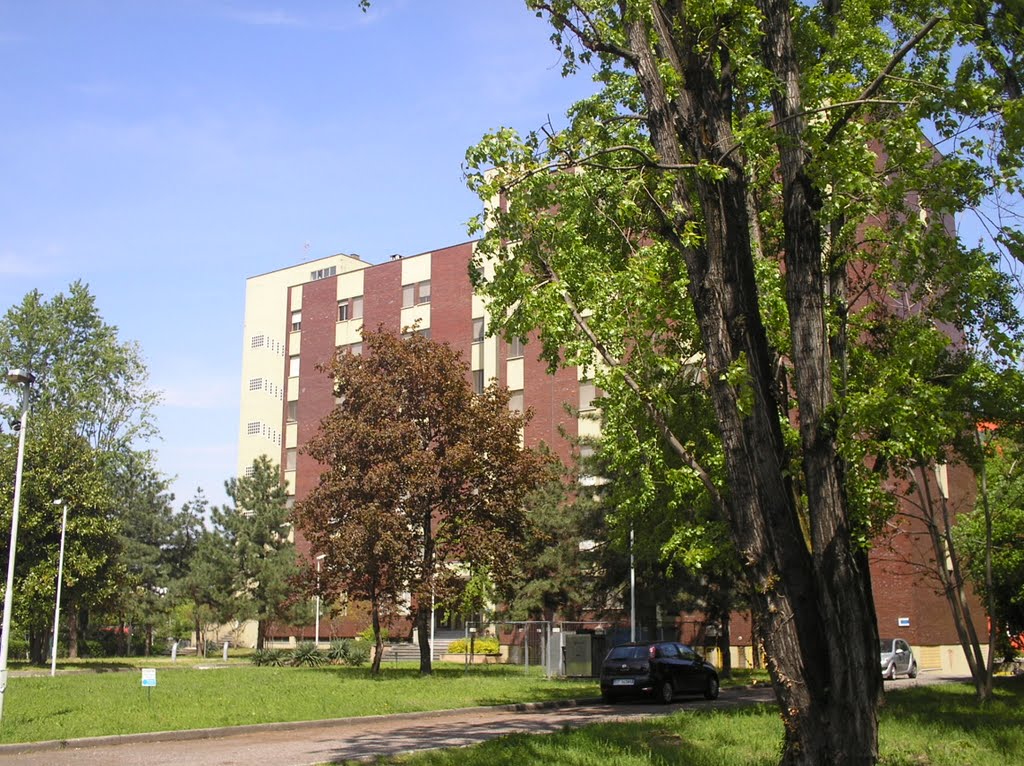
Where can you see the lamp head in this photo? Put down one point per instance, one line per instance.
(20, 377)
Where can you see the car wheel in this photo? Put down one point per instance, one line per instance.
(711, 690)
(666, 693)
(607, 697)
(912, 673)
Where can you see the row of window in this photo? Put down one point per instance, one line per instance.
(264, 384)
(262, 341)
(316, 274)
(349, 308)
(258, 428)
(415, 294)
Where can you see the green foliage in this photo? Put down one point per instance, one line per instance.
(1006, 504)
(256, 537)
(273, 658)
(83, 370)
(347, 651)
(366, 634)
(482, 645)
(306, 654)
(351, 652)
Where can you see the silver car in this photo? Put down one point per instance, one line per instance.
(897, 658)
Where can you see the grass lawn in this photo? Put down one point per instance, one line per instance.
(922, 726)
(186, 696)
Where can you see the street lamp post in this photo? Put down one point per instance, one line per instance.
(60, 580)
(23, 378)
(632, 588)
(319, 558)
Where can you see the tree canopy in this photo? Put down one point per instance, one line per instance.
(757, 189)
(423, 480)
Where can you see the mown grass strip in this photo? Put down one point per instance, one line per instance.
(922, 726)
(99, 703)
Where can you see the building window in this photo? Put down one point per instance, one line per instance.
(250, 471)
(515, 400)
(290, 458)
(296, 321)
(515, 347)
(293, 366)
(350, 308)
(587, 394)
(478, 330)
(478, 381)
(293, 410)
(257, 341)
(356, 349)
(329, 271)
(254, 428)
(414, 294)
(255, 384)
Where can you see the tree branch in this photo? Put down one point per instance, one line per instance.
(875, 84)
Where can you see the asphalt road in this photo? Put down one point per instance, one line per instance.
(316, 742)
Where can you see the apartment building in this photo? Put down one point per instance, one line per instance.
(296, 318)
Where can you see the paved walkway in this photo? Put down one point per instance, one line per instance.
(315, 742)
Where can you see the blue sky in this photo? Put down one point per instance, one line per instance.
(164, 150)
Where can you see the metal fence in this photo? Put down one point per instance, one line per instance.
(526, 642)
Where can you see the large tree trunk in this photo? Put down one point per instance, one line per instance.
(424, 605)
(378, 642)
(812, 599)
(935, 514)
(72, 618)
(261, 634)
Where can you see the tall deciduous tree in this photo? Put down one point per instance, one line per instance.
(992, 543)
(60, 466)
(82, 369)
(423, 482)
(90, 403)
(750, 177)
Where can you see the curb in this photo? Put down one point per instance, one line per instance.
(229, 731)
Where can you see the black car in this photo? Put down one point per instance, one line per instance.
(661, 669)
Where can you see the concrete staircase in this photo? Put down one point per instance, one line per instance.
(409, 652)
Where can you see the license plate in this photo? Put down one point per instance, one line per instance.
(622, 682)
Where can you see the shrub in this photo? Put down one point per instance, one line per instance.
(367, 634)
(357, 653)
(267, 658)
(339, 650)
(306, 654)
(18, 649)
(484, 645)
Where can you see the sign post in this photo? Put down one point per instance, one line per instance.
(148, 682)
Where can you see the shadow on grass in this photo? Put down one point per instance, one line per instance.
(94, 666)
(955, 708)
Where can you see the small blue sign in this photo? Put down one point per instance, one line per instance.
(149, 676)
(903, 622)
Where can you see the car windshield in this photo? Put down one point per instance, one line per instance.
(628, 653)
(885, 645)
